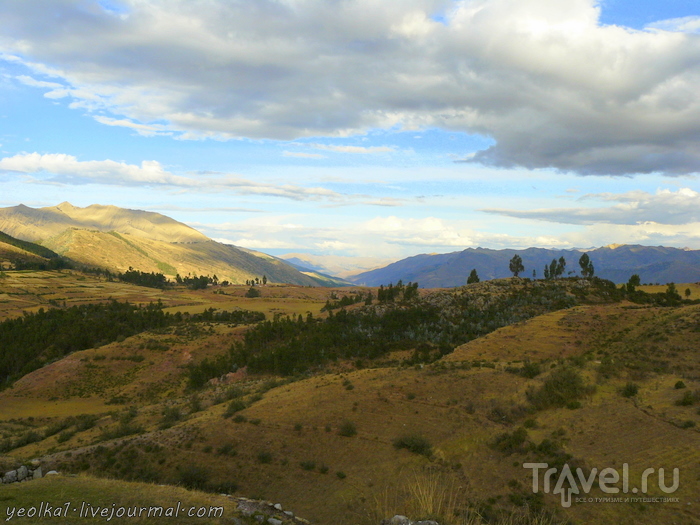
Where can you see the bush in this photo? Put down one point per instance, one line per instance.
(347, 429)
(630, 390)
(308, 465)
(687, 400)
(679, 385)
(563, 386)
(511, 442)
(341, 474)
(234, 406)
(193, 477)
(414, 443)
(264, 457)
(252, 292)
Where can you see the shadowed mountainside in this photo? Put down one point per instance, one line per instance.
(616, 263)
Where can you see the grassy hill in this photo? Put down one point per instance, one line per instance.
(116, 239)
(593, 382)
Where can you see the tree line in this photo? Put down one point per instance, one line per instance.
(35, 339)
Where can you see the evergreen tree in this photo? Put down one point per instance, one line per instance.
(473, 277)
(586, 265)
(516, 265)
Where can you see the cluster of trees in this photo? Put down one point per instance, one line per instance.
(555, 269)
(55, 263)
(292, 345)
(403, 293)
(35, 339)
(347, 300)
(151, 280)
(256, 281)
(196, 283)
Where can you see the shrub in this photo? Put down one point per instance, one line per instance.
(347, 429)
(687, 400)
(630, 390)
(193, 477)
(679, 385)
(252, 292)
(234, 406)
(341, 474)
(511, 442)
(414, 443)
(264, 457)
(563, 386)
(308, 465)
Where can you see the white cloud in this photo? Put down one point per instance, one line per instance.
(67, 169)
(147, 130)
(687, 24)
(354, 149)
(543, 78)
(303, 155)
(666, 207)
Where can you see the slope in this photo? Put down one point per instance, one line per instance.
(334, 446)
(117, 239)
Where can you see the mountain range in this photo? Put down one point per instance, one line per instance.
(116, 238)
(654, 264)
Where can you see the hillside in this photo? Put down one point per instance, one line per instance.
(116, 239)
(545, 375)
(616, 263)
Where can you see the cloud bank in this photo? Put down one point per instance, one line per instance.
(552, 86)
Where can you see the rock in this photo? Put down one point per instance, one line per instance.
(35, 463)
(278, 506)
(22, 473)
(274, 521)
(397, 520)
(10, 477)
(37, 473)
(52, 473)
(426, 522)
(289, 513)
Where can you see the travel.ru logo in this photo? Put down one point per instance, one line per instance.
(564, 482)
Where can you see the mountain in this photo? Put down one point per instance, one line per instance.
(116, 239)
(15, 251)
(616, 262)
(338, 265)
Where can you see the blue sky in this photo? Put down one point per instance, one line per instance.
(361, 128)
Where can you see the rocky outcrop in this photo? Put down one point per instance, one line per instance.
(268, 513)
(22, 474)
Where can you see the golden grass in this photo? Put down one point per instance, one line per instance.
(85, 492)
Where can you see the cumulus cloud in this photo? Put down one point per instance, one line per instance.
(665, 207)
(67, 169)
(550, 84)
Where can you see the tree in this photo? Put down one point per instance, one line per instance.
(587, 269)
(633, 282)
(264, 279)
(473, 277)
(687, 292)
(516, 265)
(546, 272)
(561, 266)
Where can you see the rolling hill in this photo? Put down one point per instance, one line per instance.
(352, 443)
(654, 264)
(115, 239)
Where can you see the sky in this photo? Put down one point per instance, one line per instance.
(374, 128)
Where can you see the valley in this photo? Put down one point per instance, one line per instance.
(412, 428)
